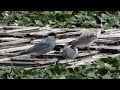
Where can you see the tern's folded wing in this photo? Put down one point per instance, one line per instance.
(37, 48)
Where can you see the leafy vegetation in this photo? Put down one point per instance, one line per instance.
(58, 19)
(105, 68)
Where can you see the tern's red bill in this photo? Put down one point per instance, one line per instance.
(56, 37)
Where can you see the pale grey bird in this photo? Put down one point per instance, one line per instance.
(86, 38)
(69, 52)
(43, 47)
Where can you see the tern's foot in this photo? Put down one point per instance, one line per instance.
(45, 59)
(88, 50)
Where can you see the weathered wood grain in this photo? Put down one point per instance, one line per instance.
(5, 39)
(9, 63)
(15, 49)
(11, 27)
(107, 49)
(20, 41)
(107, 42)
(22, 30)
(91, 59)
(15, 39)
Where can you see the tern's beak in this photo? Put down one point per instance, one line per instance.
(56, 37)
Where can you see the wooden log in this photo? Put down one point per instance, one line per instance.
(20, 41)
(30, 63)
(7, 54)
(18, 33)
(26, 59)
(107, 49)
(64, 41)
(11, 27)
(112, 30)
(22, 30)
(8, 39)
(9, 63)
(69, 35)
(38, 67)
(110, 37)
(15, 49)
(11, 35)
(91, 59)
(107, 42)
(5, 59)
(13, 57)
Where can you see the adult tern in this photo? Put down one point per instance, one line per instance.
(70, 50)
(86, 39)
(43, 47)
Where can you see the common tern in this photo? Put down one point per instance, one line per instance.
(43, 47)
(86, 39)
(69, 52)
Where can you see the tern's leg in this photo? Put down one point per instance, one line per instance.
(44, 57)
(47, 58)
(88, 50)
(66, 60)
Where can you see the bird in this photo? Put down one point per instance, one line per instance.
(69, 52)
(43, 47)
(86, 38)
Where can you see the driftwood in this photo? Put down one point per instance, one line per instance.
(15, 49)
(91, 59)
(5, 39)
(22, 30)
(11, 27)
(107, 49)
(9, 63)
(20, 41)
(107, 42)
(15, 39)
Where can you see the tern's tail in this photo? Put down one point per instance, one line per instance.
(21, 53)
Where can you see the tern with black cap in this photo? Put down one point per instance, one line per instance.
(43, 47)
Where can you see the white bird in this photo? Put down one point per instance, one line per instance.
(86, 39)
(70, 52)
(43, 47)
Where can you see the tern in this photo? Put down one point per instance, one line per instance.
(43, 47)
(70, 52)
(86, 39)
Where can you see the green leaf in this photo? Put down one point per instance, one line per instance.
(91, 74)
(107, 76)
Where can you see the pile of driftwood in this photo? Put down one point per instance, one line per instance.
(14, 39)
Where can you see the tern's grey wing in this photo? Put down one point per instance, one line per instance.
(84, 39)
(37, 48)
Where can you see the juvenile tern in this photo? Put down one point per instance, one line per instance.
(70, 52)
